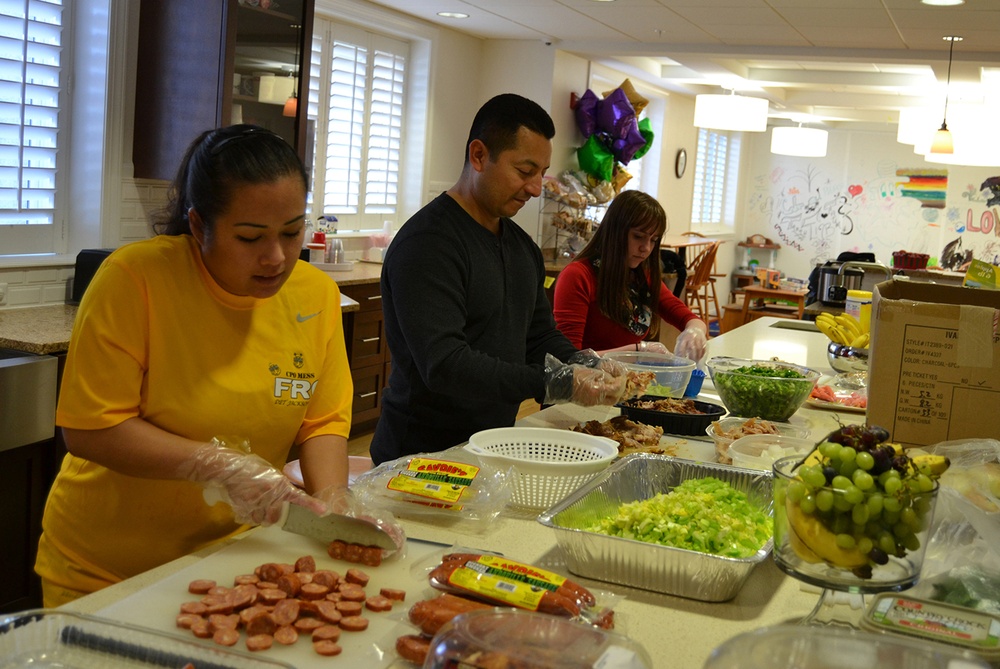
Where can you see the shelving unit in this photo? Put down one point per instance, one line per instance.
(572, 225)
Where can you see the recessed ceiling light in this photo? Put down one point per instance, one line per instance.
(458, 15)
(943, 3)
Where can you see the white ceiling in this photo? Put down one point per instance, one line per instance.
(836, 60)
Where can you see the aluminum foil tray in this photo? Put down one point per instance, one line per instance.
(48, 638)
(673, 571)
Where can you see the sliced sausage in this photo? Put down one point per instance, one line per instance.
(349, 608)
(352, 592)
(243, 595)
(371, 556)
(259, 642)
(306, 563)
(393, 594)
(270, 571)
(313, 590)
(200, 586)
(326, 577)
(353, 623)
(327, 647)
(357, 576)
(226, 636)
(290, 583)
(260, 624)
(271, 595)
(413, 648)
(286, 612)
(286, 635)
(307, 625)
(326, 633)
(329, 612)
(202, 629)
(195, 608)
(218, 591)
(220, 621)
(247, 614)
(352, 552)
(217, 604)
(186, 620)
(336, 549)
(378, 603)
(246, 579)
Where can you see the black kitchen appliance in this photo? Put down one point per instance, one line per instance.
(87, 262)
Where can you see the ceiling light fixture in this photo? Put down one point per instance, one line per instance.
(453, 15)
(799, 141)
(730, 112)
(291, 108)
(943, 3)
(943, 142)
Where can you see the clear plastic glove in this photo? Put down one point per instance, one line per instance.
(691, 343)
(582, 385)
(341, 500)
(249, 484)
(651, 347)
(588, 357)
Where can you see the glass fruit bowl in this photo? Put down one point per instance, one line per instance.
(768, 389)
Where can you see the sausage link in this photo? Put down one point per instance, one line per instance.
(413, 648)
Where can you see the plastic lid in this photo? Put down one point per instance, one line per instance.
(859, 294)
(900, 614)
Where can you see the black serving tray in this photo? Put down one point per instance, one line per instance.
(673, 423)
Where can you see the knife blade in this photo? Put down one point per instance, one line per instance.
(333, 526)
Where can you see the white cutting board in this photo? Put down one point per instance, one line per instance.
(157, 605)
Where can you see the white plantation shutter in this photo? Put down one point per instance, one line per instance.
(716, 173)
(356, 99)
(31, 35)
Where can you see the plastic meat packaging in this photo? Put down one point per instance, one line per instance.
(450, 487)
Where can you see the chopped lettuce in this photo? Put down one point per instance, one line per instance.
(705, 515)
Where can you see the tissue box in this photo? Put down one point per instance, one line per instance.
(934, 362)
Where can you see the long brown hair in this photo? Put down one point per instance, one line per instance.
(629, 210)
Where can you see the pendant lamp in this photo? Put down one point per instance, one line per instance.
(730, 112)
(943, 142)
(291, 108)
(799, 141)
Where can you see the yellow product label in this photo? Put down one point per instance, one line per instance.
(508, 581)
(440, 480)
(549, 280)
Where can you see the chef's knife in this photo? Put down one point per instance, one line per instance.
(333, 526)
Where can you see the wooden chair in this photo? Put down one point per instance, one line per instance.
(715, 264)
(700, 286)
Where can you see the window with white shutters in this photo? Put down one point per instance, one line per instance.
(716, 175)
(356, 101)
(31, 50)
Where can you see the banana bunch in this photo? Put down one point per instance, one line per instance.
(843, 329)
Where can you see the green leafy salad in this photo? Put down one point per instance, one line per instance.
(705, 515)
(771, 393)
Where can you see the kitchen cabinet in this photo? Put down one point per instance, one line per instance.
(200, 66)
(367, 352)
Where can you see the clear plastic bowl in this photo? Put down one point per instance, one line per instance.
(672, 372)
(760, 451)
(814, 647)
(718, 430)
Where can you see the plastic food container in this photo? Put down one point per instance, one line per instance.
(815, 647)
(768, 397)
(718, 429)
(548, 463)
(674, 571)
(672, 372)
(690, 424)
(759, 451)
(529, 640)
(47, 638)
(910, 617)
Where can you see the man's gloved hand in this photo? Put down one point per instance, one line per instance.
(582, 384)
(691, 342)
(249, 484)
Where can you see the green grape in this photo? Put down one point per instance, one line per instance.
(863, 479)
(840, 482)
(847, 454)
(900, 530)
(892, 485)
(886, 475)
(892, 504)
(824, 500)
(808, 504)
(864, 460)
(854, 495)
(842, 504)
(829, 450)
(796, 491)
(845, 541)
(924, 483)
(890, 518)
(859, 514)
(922, 505)
(841, 524)
(813, 476)
(874, 503)
(865, 545)
(887, 542)
(909, 517)
(848, 468)
(911, 542)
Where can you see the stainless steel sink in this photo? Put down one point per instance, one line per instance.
(27, 398)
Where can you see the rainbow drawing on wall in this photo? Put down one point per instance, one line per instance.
(927, 185)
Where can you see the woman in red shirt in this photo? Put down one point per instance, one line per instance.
(611, 298)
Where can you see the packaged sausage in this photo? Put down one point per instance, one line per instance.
(455, 486)
(517, 639)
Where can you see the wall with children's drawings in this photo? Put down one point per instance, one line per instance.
(868, 194)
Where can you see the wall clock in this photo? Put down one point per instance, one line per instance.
(681, 163)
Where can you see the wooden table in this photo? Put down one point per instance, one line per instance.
(681, 243)
(754, 293)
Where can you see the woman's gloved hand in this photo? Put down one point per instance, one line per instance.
(341, 500)
(651, 347)
(587, 386)
(249, 484)
(691, 342)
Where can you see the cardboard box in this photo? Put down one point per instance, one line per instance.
(934, 365)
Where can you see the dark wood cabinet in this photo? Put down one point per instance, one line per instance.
(188, 54)
(367, 353)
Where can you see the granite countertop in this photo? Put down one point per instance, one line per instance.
(46, 329)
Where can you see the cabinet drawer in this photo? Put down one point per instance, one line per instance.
(367, 345)
(368, 384)
(367, 295)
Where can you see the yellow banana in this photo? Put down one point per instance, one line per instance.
(850, 324)
(814, 543)
(832, 331)
(931, 465)
(861, 341)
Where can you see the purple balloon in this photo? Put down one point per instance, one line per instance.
(625, 149)
(615, 115)
(586, 112)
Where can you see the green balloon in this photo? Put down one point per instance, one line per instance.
(646, 130)
(595, 159)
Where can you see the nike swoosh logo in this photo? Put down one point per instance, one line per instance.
(302, 319)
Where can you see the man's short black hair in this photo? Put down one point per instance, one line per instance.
(497, 122)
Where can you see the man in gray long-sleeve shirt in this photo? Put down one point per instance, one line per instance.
(467, 320)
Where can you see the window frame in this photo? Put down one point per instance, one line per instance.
(721, 167)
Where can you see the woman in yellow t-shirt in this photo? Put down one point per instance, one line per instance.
(198, 358)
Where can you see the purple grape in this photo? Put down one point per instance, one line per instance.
(878, 556)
